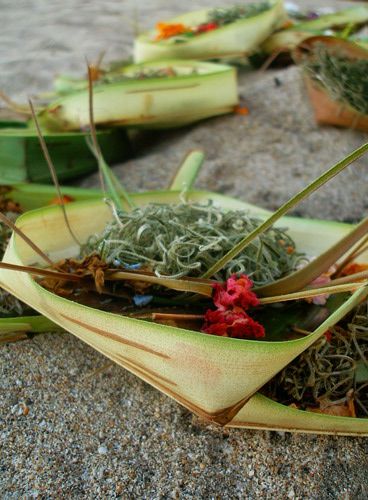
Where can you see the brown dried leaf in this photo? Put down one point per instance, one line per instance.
(336, 410)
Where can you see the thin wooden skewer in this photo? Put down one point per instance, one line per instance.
(269, 300)
(200, 287)
(304, 294)
(172, 316)
(29, 242)
(96, 146)
(363, 275)
(52, 172)
(107, 179)
(13, 105)
(40, 272)
(111, 273)
(182, 285)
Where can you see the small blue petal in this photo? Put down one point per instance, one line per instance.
(132, 266)
(142, 300)
(116, 262)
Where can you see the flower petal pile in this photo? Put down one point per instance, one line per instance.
(232, 299)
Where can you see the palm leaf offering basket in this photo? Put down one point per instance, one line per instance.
(336, 77)
(288, 38)
(215, 377)
(21, 158)
(29, 197)
(164, 94)
(201, 36)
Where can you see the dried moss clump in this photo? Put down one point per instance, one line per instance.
(332, 371)
(229, 15)
(187, 239)
(9, 305)
(5, 234)
(344, 78)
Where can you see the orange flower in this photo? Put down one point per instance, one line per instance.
(168, 30)
(287, 24)
(354, 268)
(56, 200)
(240, 109)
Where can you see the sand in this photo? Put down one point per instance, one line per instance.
(74, 426)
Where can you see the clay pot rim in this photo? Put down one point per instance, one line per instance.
(346, 48)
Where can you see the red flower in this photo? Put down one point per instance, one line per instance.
(236, 292)
(203, 28)
(232, 323)
(232, 299)
(328, 336)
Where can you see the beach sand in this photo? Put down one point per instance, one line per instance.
(74, 426)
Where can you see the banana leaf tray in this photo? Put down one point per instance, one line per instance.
(22, 160)
(215, 377)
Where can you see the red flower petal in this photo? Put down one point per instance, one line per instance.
(236, 324)
(203, 28)
(236, 292)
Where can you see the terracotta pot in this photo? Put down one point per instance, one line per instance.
(326, 109)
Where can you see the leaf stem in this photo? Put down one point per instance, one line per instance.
(114, 186)
(286, 207)
(182, 285)
(310, 293)
(187, 171)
